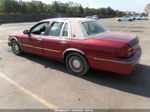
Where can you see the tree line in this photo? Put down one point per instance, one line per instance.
(58, 8)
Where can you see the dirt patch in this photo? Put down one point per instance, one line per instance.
(137, 31)
(130, 27)
(119, 26)
(139, 27)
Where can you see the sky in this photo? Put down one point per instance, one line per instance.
(124, 5)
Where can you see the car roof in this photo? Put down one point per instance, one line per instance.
(68, 19)
(76, 31)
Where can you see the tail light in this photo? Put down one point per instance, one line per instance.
(127, 51)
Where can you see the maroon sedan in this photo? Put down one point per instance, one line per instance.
(81, 44)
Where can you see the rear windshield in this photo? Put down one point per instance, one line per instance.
(93, 28)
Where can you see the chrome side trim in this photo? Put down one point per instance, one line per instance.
(38, 48)
(41, 48)
(51, 50)
(27, 45)
(114, 61)
(72, 49)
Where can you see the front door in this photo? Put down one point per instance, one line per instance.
(34, 42)
(57, 40)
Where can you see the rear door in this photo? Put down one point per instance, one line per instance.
(57, 40)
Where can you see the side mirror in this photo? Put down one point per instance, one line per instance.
(26, 32)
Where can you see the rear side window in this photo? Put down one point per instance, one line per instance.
(55, 29)
(93, 27)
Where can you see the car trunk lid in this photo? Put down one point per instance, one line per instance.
(128, 39)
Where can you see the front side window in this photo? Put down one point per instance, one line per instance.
(39, 29)
(93, 27)
(65, 30)
(55, 29)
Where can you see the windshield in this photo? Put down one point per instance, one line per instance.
(93, 28)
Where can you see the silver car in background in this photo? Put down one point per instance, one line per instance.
(142, 18)
(95, 17)
(126, 18)
(92, 17)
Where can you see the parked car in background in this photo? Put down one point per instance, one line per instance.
(80, 43)
(126, 18)
(95, 17)
(142, 18)
(92, 17)
(88, 17)
(133, 17)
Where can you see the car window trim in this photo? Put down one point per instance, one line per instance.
(37, 25)
(65, 37)
(58, 37)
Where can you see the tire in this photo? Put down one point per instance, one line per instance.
(77, 64)
(16, 48)
(130, 20)
(119, 20)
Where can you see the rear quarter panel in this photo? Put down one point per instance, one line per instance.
(97, 48)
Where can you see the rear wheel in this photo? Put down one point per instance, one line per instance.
(130, 20)
(16, 48)
(119, 20)
(77, 64)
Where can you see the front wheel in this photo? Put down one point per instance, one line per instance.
(130, 20)
(77, 64)
(16, 48)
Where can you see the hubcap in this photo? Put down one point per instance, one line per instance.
(75, 64)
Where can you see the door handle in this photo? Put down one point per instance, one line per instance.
(63, 42)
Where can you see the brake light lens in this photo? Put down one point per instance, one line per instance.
(126, 52)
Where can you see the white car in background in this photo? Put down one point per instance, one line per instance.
(126, 18)
(88, 17)
(92, 17)
(142, 18)
(95, 17)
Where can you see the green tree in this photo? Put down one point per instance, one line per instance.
(31, 8)
(120, 13)
(56, 6)
(9, 6)
(103, 11)
(81, 11)
(110, 11)
(48, 9)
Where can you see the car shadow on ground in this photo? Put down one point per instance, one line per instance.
(136, 83)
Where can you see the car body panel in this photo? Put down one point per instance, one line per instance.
(54, 47)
